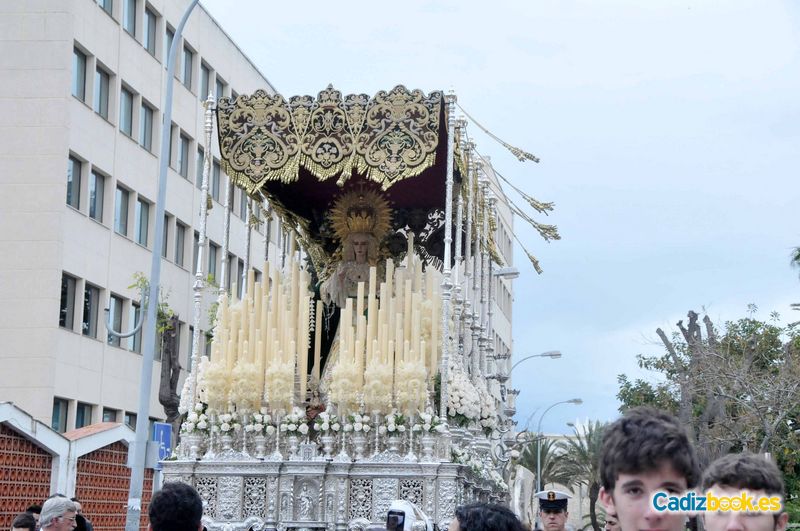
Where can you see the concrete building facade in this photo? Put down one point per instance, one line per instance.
(83, 100)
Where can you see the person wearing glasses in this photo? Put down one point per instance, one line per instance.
(58, 514)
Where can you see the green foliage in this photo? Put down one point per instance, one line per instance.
(549, 462)
(641, 393)
(165, 313)
(581, 463)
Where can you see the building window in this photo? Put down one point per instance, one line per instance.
(91, 304)
(209, 341)
(136, 339)
(101, 80)
(205, 80)
(168, 44)
(59, 420)
(129, 16)
(150, 24)
(231, 272)
(83, 415)
(243, 205)
(215, 180)
(115, 316)
(130, 420)
(96, 194)
(121, 212)
(195, 251)
(188, 60)
(213, 249)
(66, 313)
(183, 155)
(109, 415)
(240, 279)
(126, 111)
(141, 223)
(165, 239)
(74, 183)
(146, 127)
(219, 88)
(79, 74)
(180, 242)
(198, 180)
(107, 5)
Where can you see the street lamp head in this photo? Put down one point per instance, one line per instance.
(555, 354)
(575, 401)
(506, 272)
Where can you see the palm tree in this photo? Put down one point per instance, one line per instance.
(551, 453)
(580, 463)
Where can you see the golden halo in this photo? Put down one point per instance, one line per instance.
(361, 210)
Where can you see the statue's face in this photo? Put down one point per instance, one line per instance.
(360, 243)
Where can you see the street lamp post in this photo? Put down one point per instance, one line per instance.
(539, 440)
(554, 354)
(134, 509)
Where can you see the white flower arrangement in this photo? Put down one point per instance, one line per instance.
(393, 425)
(243, 394)
(325, 423)
(279, 384)
(260, 423)
(356, 422)
(196, 421)
(228, 422)
(488, 415)
(411, 385)
(377, 385)
(463, 401)
(343, 390)
(295, 422)
(217, 384)
(429, 423)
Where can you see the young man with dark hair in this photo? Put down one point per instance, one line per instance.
(733, 474)
(485, 517)
(645, 451)
(24, 522)
(176, 507)
(34, 510)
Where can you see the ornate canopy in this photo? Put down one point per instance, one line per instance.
(303, 153)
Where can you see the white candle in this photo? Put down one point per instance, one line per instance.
(317, 340)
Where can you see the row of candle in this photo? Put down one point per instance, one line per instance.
(270, 326)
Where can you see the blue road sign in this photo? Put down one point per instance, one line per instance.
(162, 434)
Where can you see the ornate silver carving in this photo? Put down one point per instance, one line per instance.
(255, 495)
(411, 490)
(430, 497)
(385, 491)
(342, 492)
(272, 496)
(447, 498)
(229, 498)
(306, 508)
(207, 488)
(360, 498)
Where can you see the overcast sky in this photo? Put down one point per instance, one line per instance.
(669, 136)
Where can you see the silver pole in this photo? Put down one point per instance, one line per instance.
(226, 237)
(447, 281)
(199, 279)
(134, 511)
(246, 268)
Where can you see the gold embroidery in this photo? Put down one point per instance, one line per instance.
(388, 138)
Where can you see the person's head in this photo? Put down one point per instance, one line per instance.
(643, 452)
(78, 506)
(611, 523)
(360, 247)
(34, 510)
(24, 522)
(732, 474)
(58, 514)
(176, 507)
(485, 517)
(553, 509)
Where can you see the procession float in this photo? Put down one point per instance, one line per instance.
(355, 371)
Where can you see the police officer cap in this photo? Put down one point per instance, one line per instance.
(552, 500)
